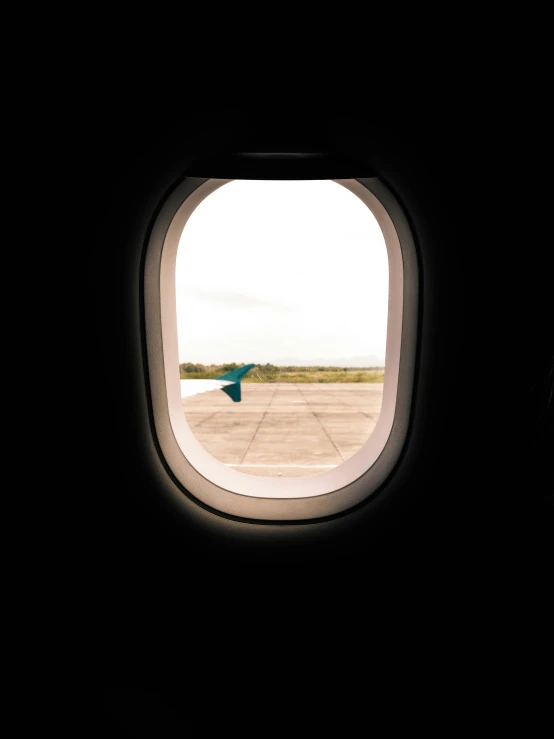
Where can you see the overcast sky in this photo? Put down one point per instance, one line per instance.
(281, 272)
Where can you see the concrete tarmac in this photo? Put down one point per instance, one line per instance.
(285, 429)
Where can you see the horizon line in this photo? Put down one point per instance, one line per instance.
(312, 363)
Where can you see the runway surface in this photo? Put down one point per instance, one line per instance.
(285, 429)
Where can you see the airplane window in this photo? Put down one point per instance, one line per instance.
(291, 277)
(281, 321)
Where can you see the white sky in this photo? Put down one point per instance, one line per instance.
(281, 272)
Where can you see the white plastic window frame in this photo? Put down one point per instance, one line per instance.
(277, 498)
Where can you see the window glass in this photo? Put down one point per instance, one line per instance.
(291, 277)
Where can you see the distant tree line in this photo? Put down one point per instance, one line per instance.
(267, 372)
(289, 373)
(191, 367)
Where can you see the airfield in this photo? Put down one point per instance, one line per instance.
(285, 429)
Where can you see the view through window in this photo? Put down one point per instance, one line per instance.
(290, 277)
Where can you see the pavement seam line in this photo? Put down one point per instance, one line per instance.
(322, 426)
(201, 422)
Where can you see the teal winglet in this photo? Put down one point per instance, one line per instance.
(233, 391)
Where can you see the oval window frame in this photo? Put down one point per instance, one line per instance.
(246, 496)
